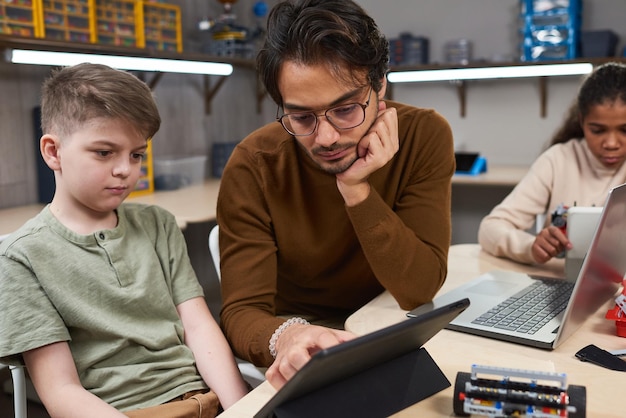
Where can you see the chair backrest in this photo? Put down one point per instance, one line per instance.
(214, 249)
(250, 373)
(19, 383)
(19, 391)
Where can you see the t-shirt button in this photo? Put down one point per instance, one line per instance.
(101, 235)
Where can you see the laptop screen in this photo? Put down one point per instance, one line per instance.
(604, 267)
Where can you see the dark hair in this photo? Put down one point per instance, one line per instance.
(607, 83)
(337, 33)
(74, 95)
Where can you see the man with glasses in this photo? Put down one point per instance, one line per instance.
(346, 196)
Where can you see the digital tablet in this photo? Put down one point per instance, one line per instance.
(347, 359)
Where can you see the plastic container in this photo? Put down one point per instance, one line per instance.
(550, 29)
(220, 154)
(408, 50)
(162, 27)
(172, 173)
(458, 51)
(598, 43)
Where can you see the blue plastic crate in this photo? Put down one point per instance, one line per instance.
(555, 52)
(550, 7)
(550, 29)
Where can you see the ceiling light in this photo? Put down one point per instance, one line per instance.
(23, 56)
(539, 70)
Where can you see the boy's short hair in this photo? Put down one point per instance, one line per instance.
(74, 95)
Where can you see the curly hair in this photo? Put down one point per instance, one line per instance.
(336, 33)
(606, 84)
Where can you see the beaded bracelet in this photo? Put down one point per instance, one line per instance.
(281, 328)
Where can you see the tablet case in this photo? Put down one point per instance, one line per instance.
(374, 375)
(377, 392)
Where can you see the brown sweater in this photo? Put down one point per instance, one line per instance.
(290, 246)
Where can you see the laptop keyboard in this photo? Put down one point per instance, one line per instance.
(531, 308)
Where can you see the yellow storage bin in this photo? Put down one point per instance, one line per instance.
(119, 22)
(145, 184)
(68, 20)
(19, 18)
(162, 27)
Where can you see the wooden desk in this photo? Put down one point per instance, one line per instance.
(192, 204)
(12, 218)
(497, 175)
(455, 351)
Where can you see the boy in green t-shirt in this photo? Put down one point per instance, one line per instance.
(99, 297)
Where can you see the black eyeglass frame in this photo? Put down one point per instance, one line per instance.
(318, 115)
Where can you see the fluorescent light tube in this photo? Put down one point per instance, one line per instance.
(24, 56)
(542, 70)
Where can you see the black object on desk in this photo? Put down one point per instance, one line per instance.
(375, 393)
(596, 355)
(471, 163)
(372, 376)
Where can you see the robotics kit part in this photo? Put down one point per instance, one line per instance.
(503, 392)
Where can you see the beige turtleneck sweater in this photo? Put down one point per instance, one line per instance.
(565, 173)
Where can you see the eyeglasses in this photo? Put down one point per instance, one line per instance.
(345, 116)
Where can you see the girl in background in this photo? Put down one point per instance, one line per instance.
(584, 162)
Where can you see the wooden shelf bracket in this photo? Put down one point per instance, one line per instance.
(211, 91)
(543, 96)
(461, 90)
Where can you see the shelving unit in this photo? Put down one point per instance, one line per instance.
(209, 88)
(19, 17)
(145, 184)
(69, 20)
(162, 27)
(552, 33)
(119, 22)
(461, 86)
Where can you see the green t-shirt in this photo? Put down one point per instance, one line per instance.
(111, 295)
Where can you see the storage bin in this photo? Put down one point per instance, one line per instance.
(19, 18)
(120, 22)
(145, 184)
(408, 50)
(69, 20)
(162, 27)
(458, 51)
(220, 154)
(172, 173)
(598, 43)
(550, 29)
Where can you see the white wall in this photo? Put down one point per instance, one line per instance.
(503, 119)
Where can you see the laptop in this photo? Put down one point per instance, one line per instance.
(566, 304)
(344, 360)
(581, 225)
